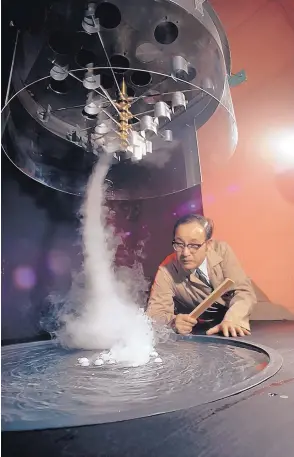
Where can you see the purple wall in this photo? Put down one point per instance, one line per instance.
(41, 244)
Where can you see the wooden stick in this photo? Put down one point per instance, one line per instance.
(217, 293)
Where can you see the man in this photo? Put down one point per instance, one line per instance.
(197, 267)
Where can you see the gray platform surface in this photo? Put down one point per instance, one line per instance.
(258, 422)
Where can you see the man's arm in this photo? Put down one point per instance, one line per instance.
(244, 299)
(161, 301)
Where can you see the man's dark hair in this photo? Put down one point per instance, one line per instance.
(206, 223)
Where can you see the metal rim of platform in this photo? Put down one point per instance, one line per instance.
(164, 407)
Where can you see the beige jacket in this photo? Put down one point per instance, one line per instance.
(171, 283)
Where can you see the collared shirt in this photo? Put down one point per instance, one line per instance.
(204, 269)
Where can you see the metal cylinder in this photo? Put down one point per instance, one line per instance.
(148, 125)
(59, 73)
(148, 147)
(207, 84)
(91, 82)
(162, 111)
(92, 109)
(137, 153)
(137, 146)
(180, 66)
(90, 26)
(101, 129)
(178, 101)
(167, 135)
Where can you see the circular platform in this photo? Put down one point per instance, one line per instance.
(44, 387)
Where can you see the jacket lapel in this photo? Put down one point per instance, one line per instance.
(213, 266)
(186, 285)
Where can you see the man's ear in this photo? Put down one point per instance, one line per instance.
(209, 243)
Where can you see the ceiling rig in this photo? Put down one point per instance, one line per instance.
(137, 80)
(115, 127)
(135, 131)
(126, 134)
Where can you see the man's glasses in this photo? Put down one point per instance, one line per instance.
(179, 247)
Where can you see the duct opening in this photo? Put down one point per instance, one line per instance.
(166, 32)
(141, 78)
(118, 60)
(191, 73)
(85, 57)
(130, 91)
(107, 81)
(181, 74)
(109, 15)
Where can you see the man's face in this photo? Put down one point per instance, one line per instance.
(191, 234)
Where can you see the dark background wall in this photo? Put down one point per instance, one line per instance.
(39, 249)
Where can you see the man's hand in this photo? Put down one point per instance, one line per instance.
(184, 324)
(228, 329)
